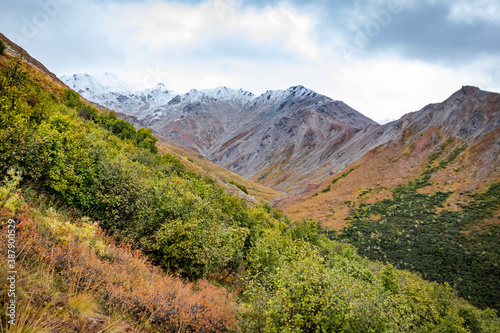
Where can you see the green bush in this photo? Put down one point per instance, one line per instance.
(2, 47)
(72, 99)
(241, 187)
(147, 140)
(293, 287)
(87, 112)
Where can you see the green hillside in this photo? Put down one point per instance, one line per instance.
(416, 231)
(214, 263)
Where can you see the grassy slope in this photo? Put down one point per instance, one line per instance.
(199, 164)
(73, 278)
(45, 82)
(384, 168)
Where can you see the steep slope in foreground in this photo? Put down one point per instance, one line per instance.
(287, 276)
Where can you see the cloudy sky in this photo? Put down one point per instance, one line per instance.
(382, 57)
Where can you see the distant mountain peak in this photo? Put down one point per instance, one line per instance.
(292, 92)
(470, 89)
(111, 92)
(98, 83)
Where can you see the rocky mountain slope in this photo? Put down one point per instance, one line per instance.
(386, 156)
(199, 118)
(277, 138)
(286, 134)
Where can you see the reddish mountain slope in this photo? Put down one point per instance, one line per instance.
(398, 152)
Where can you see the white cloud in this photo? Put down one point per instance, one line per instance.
(478, 10)
(163, 25)
(388, 87)
(280, 24)
(383, 89)
(160, 25)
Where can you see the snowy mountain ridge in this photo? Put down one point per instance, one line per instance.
(99, 83)
(109, 91)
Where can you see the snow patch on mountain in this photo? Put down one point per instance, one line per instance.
(220, 94)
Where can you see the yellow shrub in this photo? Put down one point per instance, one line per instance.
(85, 231)
(10, 200)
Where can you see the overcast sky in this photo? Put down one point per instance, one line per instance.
(384, 58)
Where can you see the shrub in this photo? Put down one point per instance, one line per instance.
(241, 187)
(2, 47)
(326, 189)
(75, 274)
(147, 140)
(87, 112)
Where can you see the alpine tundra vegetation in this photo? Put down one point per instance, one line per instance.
(114, 236)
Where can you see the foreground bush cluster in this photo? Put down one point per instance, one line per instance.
(303, 282)
(284, 276)
(74, 278)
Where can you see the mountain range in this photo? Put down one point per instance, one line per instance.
(292, 139)
(276, 138)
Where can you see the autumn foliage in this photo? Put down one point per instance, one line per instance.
(119, 280)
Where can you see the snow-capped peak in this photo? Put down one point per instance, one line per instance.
(218, 94)
(97, 83)
(113, 93)
(225, 93)
(292, 92)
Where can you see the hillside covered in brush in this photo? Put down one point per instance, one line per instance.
(113, 235)
(425, 196)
